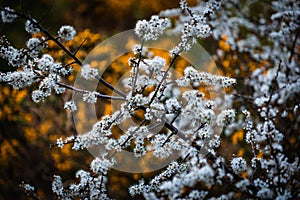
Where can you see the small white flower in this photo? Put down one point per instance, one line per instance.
(57, 186)
(238, 165)
(148, 115)
(195, 194)
(16, 58)
(226, 117)
(183, 4)
(8, 15)
(88, 72)
(37, 96)
(100, 166)
(19, 79)
(31, 28)
(172, 105)
(70, 105)
(60, 143)
(67, 32)
(90, 97)
(34, 44)
(206, 174)
(59, 90)
(45, 63)
(157, 63)
(139, 149)
(137, 50)
(27, 187)
(47, 85)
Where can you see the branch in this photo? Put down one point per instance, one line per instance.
(137, 69)
(76, 51)
(163, 79)
(129, 137)
(237, 177)
(103, 96)
(273, 85)
(112, 88)
(293, 46)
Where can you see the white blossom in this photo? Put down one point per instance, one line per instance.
(60, 143)
(226, 117)
(27, 187)
(38, 96)
(172, 105)
(206, 174)
(152, 29)
(100, 165)
(90, 97)
(8, 15)
(88, 72)
(191, 75)
(31, 27)
(70, 105)
(183, 4)
(45, 63)
(238, 165)
(19, 79)
(34, 45)
(66, 32)
(57, 185)
(138, 49)
(196, 194)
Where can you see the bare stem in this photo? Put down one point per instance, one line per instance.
(136, 69)
(163, 79)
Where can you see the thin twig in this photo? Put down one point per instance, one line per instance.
(293, 46)
(98, 95)
(81, 44)
(128, 138)
(136, 69)
(163, 78)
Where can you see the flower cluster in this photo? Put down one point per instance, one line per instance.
(45, 63)
(18, 79)
(57, 185)
(191, 75)
(152, 29)
(100, 166)
(31, 26)
(35, 45)
(238, 165)
(28, 189)
(66, 32)
(88, 73)
(193, 24)
(226, 117)
(8, 15)
(90, 97)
